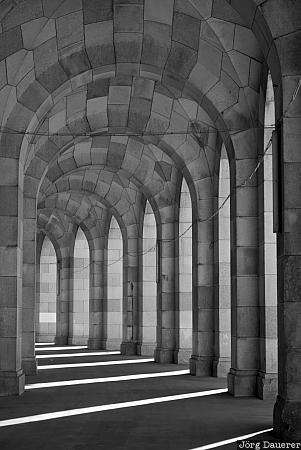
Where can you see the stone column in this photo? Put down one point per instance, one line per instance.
(98, 298)
(244, 269)
(267, 375)
(65, 280)
(148, 283)
(183, 282)
(287, 410)
(29, 363)
(131, 288)
(222, 273)
(166, 332)
(39, 240)
(12, 378)
(201, 361)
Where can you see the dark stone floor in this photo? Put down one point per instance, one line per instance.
(175, 425)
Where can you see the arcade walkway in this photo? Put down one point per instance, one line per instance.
(167, 422)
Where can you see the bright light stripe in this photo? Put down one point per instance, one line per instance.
(230, 441)
(106, 379)
(67, 347)
(38, 344)
(98, 363)
(109, 407)
(74, 355)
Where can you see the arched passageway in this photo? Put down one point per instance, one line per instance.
(106, 104)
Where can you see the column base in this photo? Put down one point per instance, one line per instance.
(267, 385)
(12, 383)
(46, 339)
(242, 383)
(128, 348)
(182, 355)
(96, 344)
(164, 355)
(112, 344)
(78, 340)
(61, 340)
(146, 349)
(221, 367)
(201, 366)
(29, 366)
(287, 419)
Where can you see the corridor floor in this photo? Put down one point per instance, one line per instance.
(98, 412)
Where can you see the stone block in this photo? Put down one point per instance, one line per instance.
(128, 47)
(186, 30)
(48, 72)
(143, 88)
(118, 115)
(99, 43)
(181, 60)
(158, 11)
(247, 322)
(96, 12)
(162, 104)
(139, 113)
(156, 44)
(69, 29)
(128, 18)
(30, 93)
(10, 42)
(242, 383)
(76, 103)
(10, 171)
(225, 93)
(12, 383)
(226, 12)
(37, 31)
(97, 113)
(119, 95)
(247, 261)
(246, 43)
(22, 13)
(204, 7)
(8, 201)
(18, 65)
(9, 229)
(74, 59)
(98, 88)
(58, 8)
(225, 32)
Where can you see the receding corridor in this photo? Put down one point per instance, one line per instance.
(181, 424)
